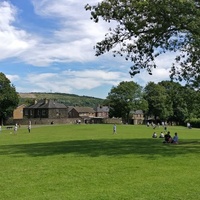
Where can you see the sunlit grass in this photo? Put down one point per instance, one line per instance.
(88, 162)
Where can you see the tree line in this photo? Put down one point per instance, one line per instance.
(163, 101)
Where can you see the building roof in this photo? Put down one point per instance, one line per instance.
(22, 105)
(50, 104)
(137, 112)
(102, 109)
(70, 108)
(84, 109)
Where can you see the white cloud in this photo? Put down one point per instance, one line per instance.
(95, 74)
(46, 54)
(13, 78)
(71, 41)
(47, 82)
(34, 78)
(7, 14)
(158, 75)
(61, 8)
(13, 40)
(67, 81)
(166, 60)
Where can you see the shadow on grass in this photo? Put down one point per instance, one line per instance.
(94, 148)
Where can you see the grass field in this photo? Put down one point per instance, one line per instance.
(88, 162)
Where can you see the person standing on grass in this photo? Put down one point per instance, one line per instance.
(114, 129)
(15, 128)
(29, 126)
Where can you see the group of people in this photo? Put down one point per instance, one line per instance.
(17, 126)
(167, 137)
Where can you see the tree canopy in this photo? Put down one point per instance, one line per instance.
(177, 96)
(163, 101)
(8, 97)
(158, 101)
(146, 29)
(125, 97)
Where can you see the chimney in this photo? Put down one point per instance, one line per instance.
(46, 101)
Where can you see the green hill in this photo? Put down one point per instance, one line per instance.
(67, 99)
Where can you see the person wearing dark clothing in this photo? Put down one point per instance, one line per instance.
(168, 138)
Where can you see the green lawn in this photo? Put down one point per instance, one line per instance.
(88, 162)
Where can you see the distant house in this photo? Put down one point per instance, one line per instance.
(83, 112)
(18, 112)
(102, 111)
(137, 117)
(46, 109)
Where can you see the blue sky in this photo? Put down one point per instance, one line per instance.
(47, 46)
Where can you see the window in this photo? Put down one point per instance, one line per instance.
(26, 112)
(44, 112)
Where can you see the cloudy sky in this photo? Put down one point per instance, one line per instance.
(47, 46)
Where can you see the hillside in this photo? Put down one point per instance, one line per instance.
(67, 99)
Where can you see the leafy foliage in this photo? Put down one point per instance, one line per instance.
(172, 102)
(126, 97)
(159, 103)
(146, 29)
(8, 97)
(176, 96)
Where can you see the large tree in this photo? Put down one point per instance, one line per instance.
(191, 98)
(160, 106)
(147, 28)
(125, 97)
(176, 96)
(8, 98)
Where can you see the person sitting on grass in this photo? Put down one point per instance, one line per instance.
(175, 139)
(161, 135)
(168, 138)
(154, 135)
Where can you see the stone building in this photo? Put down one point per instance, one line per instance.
(18, 112)
(137, 117)
(46, 108)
